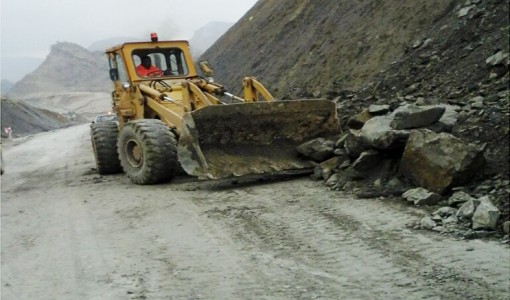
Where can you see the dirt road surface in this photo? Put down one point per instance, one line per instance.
(68, 233)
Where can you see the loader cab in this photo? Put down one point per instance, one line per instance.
(171, 58)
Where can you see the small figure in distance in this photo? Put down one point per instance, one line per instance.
(146, 68)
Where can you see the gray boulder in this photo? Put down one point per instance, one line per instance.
(354, 144)
(445, 212)
(458, 198)
(420, 196)
(497, 59)
(486, 216)
(438, 162)
(377, 133)
(333, 180)
(327, 167)
(451, 221)
(412, 116)
(427, 223)
(317, 149)
(506, 227)
(467, 209)
(378, 110)
(448, 120)
(367, 160)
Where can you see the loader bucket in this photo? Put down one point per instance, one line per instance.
(231, 140)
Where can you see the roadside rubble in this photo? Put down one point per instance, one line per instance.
(433, 124)
(410, 152)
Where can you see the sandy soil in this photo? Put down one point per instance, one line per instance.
(68, 233)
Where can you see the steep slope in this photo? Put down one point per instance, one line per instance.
(320, 45)
(461, 60)
(359, 53)
(25, 119)
(68, 68)
(368, 52)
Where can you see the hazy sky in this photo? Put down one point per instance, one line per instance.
(30, 27)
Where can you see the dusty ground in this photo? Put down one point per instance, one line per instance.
(68, 233)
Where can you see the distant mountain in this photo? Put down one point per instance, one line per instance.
(67, 68)
(14, 68)
(207, 35)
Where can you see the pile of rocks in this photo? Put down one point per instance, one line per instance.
(464, 215)
(388, 152)
(412, 140)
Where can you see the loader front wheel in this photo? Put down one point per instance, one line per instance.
(148, 151)
(104, 144)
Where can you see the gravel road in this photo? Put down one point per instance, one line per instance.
(68, 233)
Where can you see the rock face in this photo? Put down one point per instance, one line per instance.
(439, 161)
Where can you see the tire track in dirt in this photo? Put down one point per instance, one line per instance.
(312, 256)
(347, 247)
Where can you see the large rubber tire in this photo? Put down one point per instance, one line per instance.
(148, 151)
(104, 144)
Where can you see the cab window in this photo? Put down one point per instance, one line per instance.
(160, 62)
(118, 68)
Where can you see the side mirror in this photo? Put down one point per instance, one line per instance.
(114, 74)
(206, 68)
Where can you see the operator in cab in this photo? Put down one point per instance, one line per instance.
(146, 68)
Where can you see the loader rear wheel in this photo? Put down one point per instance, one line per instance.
(148, 151)
(104, 145)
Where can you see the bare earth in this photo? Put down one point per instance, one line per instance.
(68, 233)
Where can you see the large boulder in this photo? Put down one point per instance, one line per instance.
(318, 149)
(439, 161)
(486, 216)
(377, 133)
(354, 144)
(412, 116)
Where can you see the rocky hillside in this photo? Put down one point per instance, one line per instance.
(365, 52)
(68, 68)
(321, 45)
(24, 118)
(385, 53)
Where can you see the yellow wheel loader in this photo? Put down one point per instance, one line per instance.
(171, 119)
